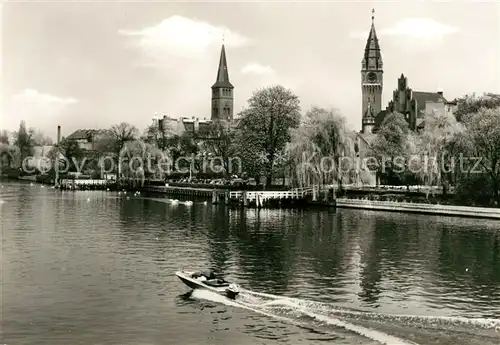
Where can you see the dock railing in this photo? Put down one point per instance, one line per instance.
(297, 193)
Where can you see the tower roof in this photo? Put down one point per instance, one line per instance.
(222, 74)
(372, 48)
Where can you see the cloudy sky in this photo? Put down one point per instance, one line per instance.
(88, 65)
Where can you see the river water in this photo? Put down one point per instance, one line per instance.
(98, 268)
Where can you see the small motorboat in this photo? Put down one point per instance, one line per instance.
(208, 281)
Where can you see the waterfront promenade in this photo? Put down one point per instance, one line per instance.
(446, 210)
(301, 197)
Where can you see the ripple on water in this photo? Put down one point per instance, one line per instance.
(101, 271)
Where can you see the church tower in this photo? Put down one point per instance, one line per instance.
(371, 80)
(222, 92)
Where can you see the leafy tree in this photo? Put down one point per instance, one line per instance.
(4, 156)
(483, 136)
(264, 129)
(23, 139)
(472, 104)
(219, 142)
(40, 139)
(71, 150)
(156, 136)
(4, 137)
(391, 147)
(104, 144)
(185, 146)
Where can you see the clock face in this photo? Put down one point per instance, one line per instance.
(372, 77)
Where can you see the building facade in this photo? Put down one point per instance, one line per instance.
(412, 104)
(87, 138)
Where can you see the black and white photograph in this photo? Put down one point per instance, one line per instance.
(249, 172)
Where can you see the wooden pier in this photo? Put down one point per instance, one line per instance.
(86, 184)
(298, 197)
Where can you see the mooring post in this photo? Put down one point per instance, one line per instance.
(314, 193)
(226, 197)
(214, 196)
(245, 198)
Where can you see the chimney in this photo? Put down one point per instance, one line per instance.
(196, 125)
(58, 135)
(440, 92)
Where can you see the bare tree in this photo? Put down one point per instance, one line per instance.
(121, 134)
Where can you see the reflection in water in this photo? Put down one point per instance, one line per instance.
(99, 267)
(220, 254)
(264, 251)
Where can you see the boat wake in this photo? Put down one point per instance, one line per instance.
(382, 328)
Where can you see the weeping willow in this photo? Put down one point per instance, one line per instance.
(138, 161)
(439, 129)
(318, 147)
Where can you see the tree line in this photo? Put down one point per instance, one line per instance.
(274, 139)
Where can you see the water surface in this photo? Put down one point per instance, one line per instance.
(98, 268)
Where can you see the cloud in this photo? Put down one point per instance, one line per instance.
(183, 37)
(255, 68)
(414, 27)
(37, 109)
(258, 76)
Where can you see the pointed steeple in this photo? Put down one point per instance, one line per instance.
(222, 73)
(372, 58)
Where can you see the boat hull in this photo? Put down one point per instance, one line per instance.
(186, 277)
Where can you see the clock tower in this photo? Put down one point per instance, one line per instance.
(371, 80)
(222, 92)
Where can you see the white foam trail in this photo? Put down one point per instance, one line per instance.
(214, 297)
(365, 332)
(381, 337)
(291, 302)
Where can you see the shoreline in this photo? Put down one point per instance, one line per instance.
(340, 202)
(406, 207)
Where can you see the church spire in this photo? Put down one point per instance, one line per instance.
(222, 91)
(222, 73)
(372, 58)
(371, 80)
